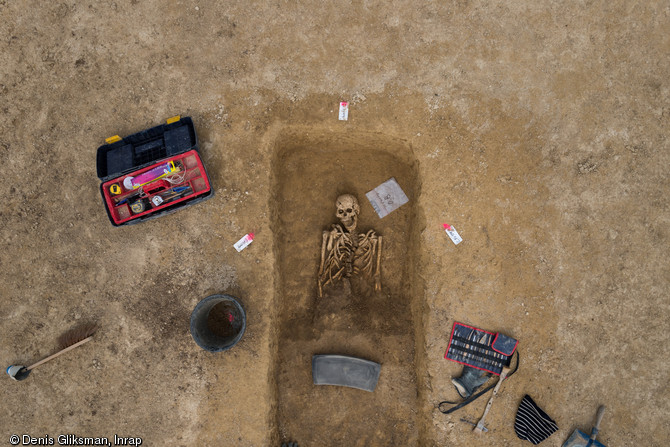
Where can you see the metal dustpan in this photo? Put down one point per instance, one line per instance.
(581, 439)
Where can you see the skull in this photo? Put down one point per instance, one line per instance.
(347, 211)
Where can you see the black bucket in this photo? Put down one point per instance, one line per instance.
(218, 323)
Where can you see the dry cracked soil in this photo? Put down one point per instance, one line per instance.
(537, 129)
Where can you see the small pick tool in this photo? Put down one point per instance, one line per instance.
(68, 341)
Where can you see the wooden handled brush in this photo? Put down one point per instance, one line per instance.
(67, 342)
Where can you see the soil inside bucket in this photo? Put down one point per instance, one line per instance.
(224, 320)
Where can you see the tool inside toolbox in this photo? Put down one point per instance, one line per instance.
(163, 184)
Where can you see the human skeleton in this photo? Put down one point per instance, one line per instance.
(344, 252)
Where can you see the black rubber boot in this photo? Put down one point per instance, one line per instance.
(469, 381)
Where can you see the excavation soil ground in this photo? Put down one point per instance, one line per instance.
(537, 129)
(350, 318)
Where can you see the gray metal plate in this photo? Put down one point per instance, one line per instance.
(345, 371)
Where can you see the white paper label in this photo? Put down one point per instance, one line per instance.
(344, 111)
(387, 197)
(453, 234)
(244, 242)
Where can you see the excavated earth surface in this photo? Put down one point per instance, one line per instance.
(537, 129)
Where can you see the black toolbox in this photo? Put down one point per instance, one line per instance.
(152, 172)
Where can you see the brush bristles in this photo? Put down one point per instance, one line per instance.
(77, 334)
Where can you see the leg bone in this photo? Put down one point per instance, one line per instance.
(378, 280)
(324, 243)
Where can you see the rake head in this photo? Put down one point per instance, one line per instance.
(76, 335)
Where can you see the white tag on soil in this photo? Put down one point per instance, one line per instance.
(387, 197)
(453, 234)
(344, 111)
(244, 242)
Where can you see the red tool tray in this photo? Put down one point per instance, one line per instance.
(152, 172)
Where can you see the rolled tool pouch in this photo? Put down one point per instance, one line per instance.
(480, 349)
(484, 350)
